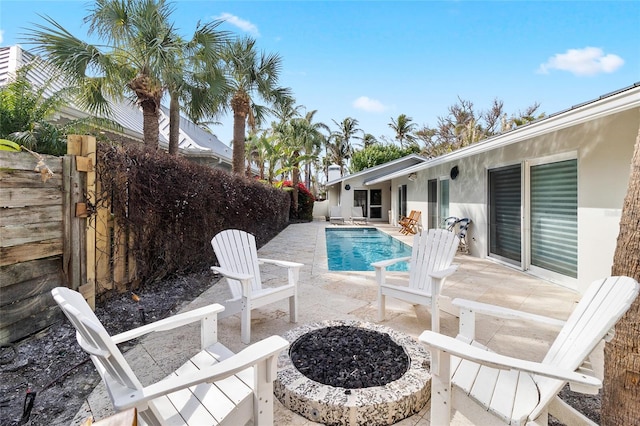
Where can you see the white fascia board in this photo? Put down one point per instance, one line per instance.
(606, 105)
(378, 168)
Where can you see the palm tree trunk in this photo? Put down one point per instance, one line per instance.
(295, 179)
(174, 125)
(150, 125)
(240, 105)
(621, 395)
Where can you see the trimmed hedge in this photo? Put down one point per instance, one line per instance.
(175, 207)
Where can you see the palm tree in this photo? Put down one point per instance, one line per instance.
(368, 139)
(313, 144)
(196, 80)
(145, 58)
(339, 146)
(141, 45)
(252, 76)
(404, 127)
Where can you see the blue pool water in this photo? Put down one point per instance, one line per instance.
(355, 249)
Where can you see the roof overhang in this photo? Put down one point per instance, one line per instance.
(373, 173)
(605, 105)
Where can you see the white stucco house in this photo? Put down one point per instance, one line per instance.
(545, 198)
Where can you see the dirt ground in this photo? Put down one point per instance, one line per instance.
(45, 378)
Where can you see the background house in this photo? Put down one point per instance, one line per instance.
(375, 198)
(195, 143)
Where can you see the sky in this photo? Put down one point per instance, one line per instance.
(375, 60)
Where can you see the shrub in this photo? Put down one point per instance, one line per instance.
(174, 207)
(305, 201)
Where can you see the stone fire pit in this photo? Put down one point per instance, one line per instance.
(352, 405)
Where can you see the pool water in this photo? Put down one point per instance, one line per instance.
(355, 249)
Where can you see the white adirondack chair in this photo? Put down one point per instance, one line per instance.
(431, 258)
(215, 387)
(335, 215)
(489, 388)
(357, 215)
(239, 263)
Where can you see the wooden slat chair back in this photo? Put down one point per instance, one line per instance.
(489, 388)
(215, 387)
(405, 219)
(237, 254)
(430, 264)
(411, 224)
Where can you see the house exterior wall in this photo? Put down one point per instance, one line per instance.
(603, 148)
(338, 195)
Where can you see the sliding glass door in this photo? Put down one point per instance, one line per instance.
(544, 201)
(505, 218)
(554, 217)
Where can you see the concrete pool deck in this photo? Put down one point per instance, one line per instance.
(327, 295)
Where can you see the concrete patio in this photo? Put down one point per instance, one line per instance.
(327, 295)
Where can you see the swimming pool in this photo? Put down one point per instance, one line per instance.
(356, 248)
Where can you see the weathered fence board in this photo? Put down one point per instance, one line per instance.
(28, 215)
(25, 179)
(31, 251)
(21, 197)
(14, 235)
(25, 271)
(40, 312)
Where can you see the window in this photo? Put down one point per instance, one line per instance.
(540, 196)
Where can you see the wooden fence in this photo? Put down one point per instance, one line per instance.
(31, 243)
(55, 233)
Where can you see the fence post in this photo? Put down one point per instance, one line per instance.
(81, 256)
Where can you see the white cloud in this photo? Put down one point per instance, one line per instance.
(244, 25)
(370, 105)
(587, 61)
(1, 36)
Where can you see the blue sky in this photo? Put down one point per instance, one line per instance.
(373, 60)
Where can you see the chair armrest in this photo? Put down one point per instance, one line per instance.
(444, 272)
(389, 262)
(282, 263)
(465, 351)
(505, 313)
(170, 323)
(250, 356)
(230, 274)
